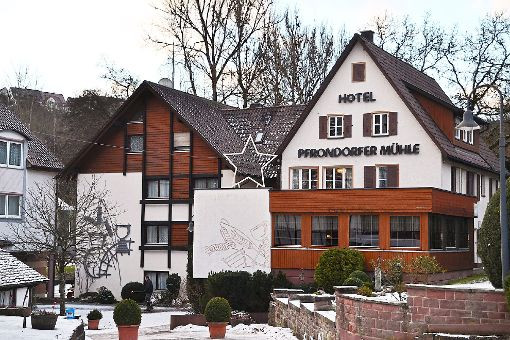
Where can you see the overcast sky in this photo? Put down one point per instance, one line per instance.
(64, 42)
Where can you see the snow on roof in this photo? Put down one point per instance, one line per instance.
(14, 273)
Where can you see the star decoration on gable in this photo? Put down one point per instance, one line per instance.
(249, 162)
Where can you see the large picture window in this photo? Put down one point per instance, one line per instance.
(157, 234)
(335, 126)
(158, 188)
(337, 178)
(158, 279)
(287, 230)
(10, 206)
(364, 231)
(404, 231)
(304, 178)
(448, 232)
(380, 124)
(11, 154)
(325, 231)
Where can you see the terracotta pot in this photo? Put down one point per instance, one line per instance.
(128, 332)
(93, 324)
(45, 322)
(217, 329)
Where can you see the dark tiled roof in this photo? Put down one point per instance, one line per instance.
(399, 74)
(38, 153)
(14, 273)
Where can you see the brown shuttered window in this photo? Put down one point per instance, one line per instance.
(367, 124)
(323, 127)
(358, 72)
(454, 179)
(393, 176)
(347, 126)
(393, 123)
(369, 176)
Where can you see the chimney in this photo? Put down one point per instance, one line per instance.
(368, 35)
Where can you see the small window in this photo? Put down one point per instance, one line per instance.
(3, 153)
(159, 188)
(304, 178)
(364, 231)
(358, 72)
(182, 141)
(382, 176)
(325, 231)
(206, 183)
(11, 154)
(469, 137)
(404, 231)
(158, 279)
(136, 143)
(287, 230)
(15, 154)
(380, 124)
(258, 137)
(337, 178)
(335, 126)
(482, 185)
(157, 234)
(457, 131)
(10, 206)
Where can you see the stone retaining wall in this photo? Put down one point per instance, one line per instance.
(308, 315)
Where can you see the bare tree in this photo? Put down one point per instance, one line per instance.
(61, 225)
(24, 77)
(209, 35)
(122, 82)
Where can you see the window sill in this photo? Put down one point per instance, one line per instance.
(383, 135)
(134, 152)
(11, 167)
(336, 137)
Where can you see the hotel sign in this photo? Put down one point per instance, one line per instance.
(393, 149)
(366, 97)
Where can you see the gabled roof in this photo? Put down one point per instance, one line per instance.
(404, 78)
(14, 273)
(38, 154)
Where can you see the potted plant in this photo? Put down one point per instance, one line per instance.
(42, 319)
(127, 316)
(93, 317)
(217, 314)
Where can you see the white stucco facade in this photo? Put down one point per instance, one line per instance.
(415, 170)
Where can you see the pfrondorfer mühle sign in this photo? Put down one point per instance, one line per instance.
(383, 150)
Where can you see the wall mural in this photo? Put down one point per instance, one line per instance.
(240, 251)
(103, 248)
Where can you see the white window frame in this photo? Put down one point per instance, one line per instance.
(6, 206)
(377, 177)
(336, 125)
(8, 158)
(157, 233)
(300, 178)
(380, 124)
(459, 181)
(344, 168)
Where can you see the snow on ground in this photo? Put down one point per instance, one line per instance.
(11, 327)
(474, 285)
(255, 331)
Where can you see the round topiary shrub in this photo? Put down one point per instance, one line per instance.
(353, 281)
(127, 312)
(94, 315)
(134, 291)
(335, 265)
(218, 310)
(489, 240)
(361, 275)
(105, 296)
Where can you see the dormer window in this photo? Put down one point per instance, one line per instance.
(10, 154)
(358, 72)
(258, 137)
(465, 136)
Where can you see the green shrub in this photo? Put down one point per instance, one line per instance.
(335, 266)
(507, 292)
(489, 239)
(281, 281)
(260, 287)
(218, 310)
(105, 296)
(134, 291)
(423, 266)
(365, 290)
(358, 274)
(94, 315)
(233, 286)
(173, 285)
(353, 281)
(127, 312)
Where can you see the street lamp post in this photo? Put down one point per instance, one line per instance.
(468, 124)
